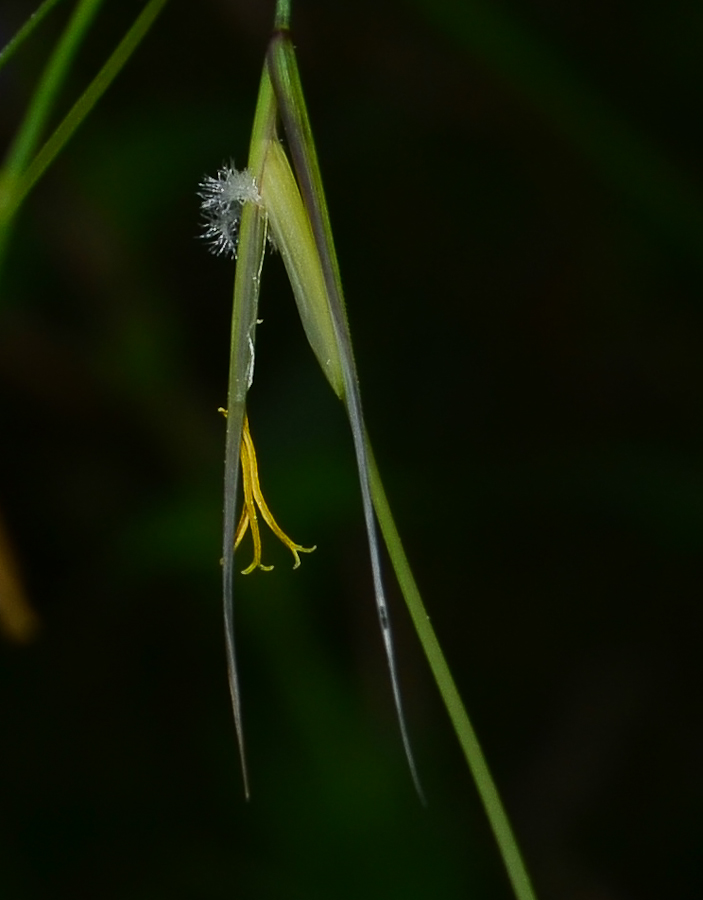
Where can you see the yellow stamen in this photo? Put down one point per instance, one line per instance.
(253, 498)
(249, 475)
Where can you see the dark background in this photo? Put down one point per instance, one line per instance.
(515, 192)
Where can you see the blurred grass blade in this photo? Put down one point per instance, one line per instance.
(24, 181)
(11, 47)
(623, 157)
(291, 102)
(51, 81)
(500, 824)
(252, 241)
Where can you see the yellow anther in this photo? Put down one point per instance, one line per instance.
(253, 499)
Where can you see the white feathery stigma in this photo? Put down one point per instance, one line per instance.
(223, 198)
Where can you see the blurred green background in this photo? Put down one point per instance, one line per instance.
(515, 189)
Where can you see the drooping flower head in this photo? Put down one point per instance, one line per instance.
(241, 210)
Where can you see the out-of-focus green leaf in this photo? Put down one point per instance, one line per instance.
(13, 45)
(29, 132)
(23, 181)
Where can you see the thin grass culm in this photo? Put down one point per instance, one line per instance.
(286, 201)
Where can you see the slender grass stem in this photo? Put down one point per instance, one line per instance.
(11, 47)
(15, 185)
(52, 79)
(282, 19)
(87, 100)
(487, 789)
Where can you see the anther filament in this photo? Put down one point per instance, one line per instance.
(253, 498)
